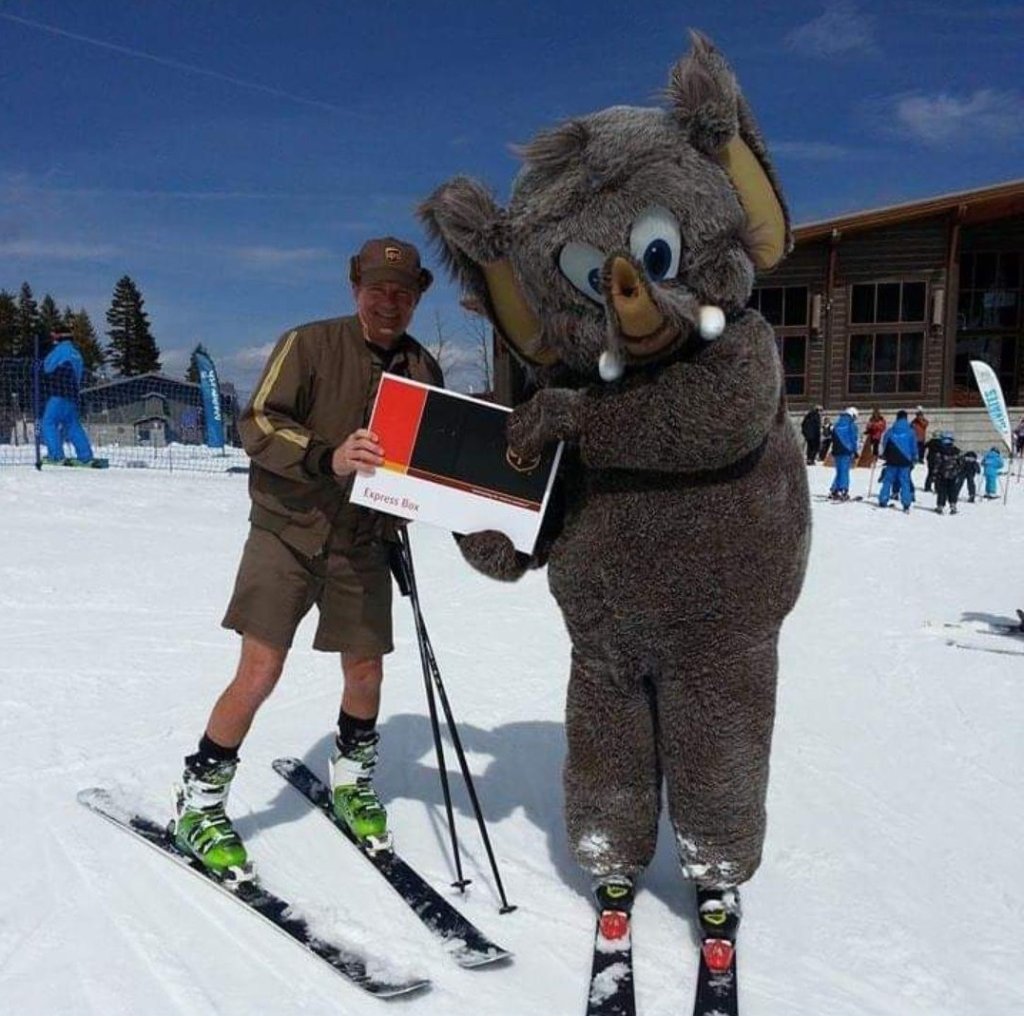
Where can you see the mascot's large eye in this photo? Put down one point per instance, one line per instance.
(654, 242)
(581, 264)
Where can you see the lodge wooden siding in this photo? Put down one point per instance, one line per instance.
(806, 266)
(915, 250)
(1002, 235)
(912, 251)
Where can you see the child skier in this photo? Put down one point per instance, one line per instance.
(992, 464)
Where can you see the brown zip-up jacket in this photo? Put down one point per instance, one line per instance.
(315, 390)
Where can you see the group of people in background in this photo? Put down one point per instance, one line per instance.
(901, 446)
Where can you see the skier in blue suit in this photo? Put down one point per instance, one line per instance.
(63, 370)
(845, 439)
(992, 465)
(899, 451)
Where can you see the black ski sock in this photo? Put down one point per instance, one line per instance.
(208, 748)
(353, 729)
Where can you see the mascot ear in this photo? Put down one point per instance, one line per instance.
(706, 102)
(470, 232)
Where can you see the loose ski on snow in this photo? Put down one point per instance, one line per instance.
(979, 628)
(949, 629)
(611, 974)
(998, 650)
(463, 941)
(278, 912)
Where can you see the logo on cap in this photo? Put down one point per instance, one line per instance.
(393, 255)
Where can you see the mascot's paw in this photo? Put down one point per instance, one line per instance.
(551, 415)
(463, 212)
(494, 555)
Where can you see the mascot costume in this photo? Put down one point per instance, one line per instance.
(620, 273)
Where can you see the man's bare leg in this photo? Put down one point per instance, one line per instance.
(363, 675)
(259, 668)
(202, 827)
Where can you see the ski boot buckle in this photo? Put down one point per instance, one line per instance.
(238, 876)
(374, 845)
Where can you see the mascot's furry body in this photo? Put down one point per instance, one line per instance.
(686, 521)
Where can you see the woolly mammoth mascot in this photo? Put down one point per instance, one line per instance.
(620, 271)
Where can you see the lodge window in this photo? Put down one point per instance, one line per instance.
(990, 291)
(989, 321)
(785, 308)
(887, 303)
(886, 363)
(887, 360)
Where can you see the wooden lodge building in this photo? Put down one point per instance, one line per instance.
(888, 307)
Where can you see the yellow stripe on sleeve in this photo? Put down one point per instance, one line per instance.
(273, 372)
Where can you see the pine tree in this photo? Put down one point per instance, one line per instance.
(79, 325)
(192, 374)
(51, 322)
(28, 322)
(8, 323)
(132, 349)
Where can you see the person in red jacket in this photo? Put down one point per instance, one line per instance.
(874, 429)
(920, 426)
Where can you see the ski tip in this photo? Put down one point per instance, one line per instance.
(385, 989)
(475, 960)
(90, 796)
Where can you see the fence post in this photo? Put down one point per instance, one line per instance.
(36, 396)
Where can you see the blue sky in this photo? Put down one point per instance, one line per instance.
(230, 155)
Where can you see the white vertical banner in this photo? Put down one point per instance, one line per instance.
(992, 392)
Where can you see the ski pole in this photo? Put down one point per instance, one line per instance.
(506, 907)
(402, 570)
(430, 665)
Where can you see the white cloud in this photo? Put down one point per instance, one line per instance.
(986, 114)
(841, 30)
(57, 250)
(175, 361)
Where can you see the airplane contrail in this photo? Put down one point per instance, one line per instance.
(177, 64)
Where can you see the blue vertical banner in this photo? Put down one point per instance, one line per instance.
(213, 416)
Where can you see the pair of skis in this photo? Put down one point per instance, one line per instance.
(463, 941)
(960, 634)
(611, 979)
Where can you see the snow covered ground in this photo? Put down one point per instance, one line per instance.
(892, 882)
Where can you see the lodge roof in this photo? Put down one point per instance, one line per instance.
(226, 387)
(980, 205)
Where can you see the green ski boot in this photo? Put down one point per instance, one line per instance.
(354, 800)
(201, 826)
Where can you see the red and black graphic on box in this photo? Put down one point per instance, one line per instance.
(457, 442)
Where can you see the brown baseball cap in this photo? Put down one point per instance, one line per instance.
(388, 259)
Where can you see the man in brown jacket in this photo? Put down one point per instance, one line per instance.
(305, 431)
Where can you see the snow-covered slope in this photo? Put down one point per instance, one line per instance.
(891, 883)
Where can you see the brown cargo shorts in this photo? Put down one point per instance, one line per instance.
(350, 586)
